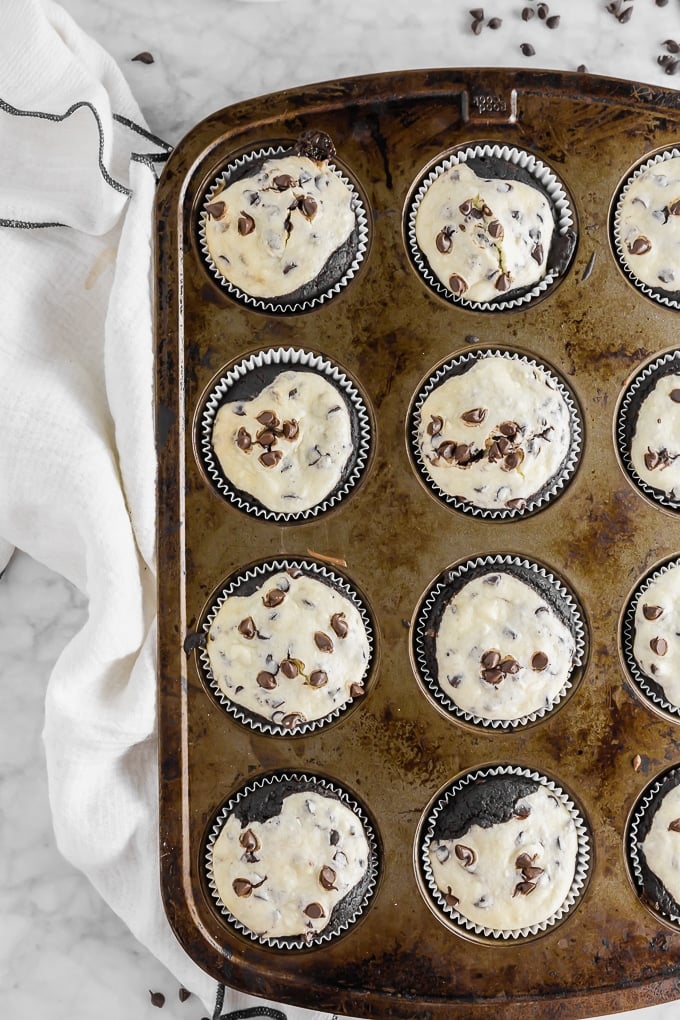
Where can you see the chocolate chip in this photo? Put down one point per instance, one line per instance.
(450, 899)
(322, 641)
(247, 628)
(524, 888)
(246, 224)
(268, 419)
(491, 658)
(270, 458)
(510, 429)
(266, 437)
(293, 720)
(157, 998)
(674, 826)
(283, 181)
(242, 887)
(652, 460)
(475, 416)
(216, 210)
(527, 13)
(524, 861)
(582, 69)
(316, 145)
(477, 26)
(640, 246)
(553, 22)
(522, 811)
(334, 837)
(495, 22)
(504, 282)
(615, 6)
(477, 13)
(494, 453)
(290, 429)
(626, 15)
(462, 453)
(651, 612)
(539, 660)
(537, 253)
(249, 841)
(496, 231)
(243, 439)
(144, 57)
(446, 450)
(509, 666)
(290, 668)
(339, 624)
(308, 207)
(184, 994)
(659, 645)
(466, 207)
(266, 680)
(675, 396)
(274, 597)
(435, 426)
(527, 49)
(356, 690)
(465, 854)
(443, 241)
(314, 910)
(457, 285)
(542, 11)
(318, 678)
(327, 877)
(516, 504)
(493, 676)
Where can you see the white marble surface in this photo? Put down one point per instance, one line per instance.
(62, 951)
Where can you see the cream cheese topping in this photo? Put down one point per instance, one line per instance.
(656, 644)
(295, 462)
(296, 649)
(300, 864)
(487, 870)
(495, 434)
(649, 225)
(502, 652)
(273, 232)
(661, 845)
(484, 237)
(655, 447)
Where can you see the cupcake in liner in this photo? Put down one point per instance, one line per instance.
(490, 227)
(498, 642)
(650, 639)
(284, 434)
(645, 227)
(647, 426)
(287, 646)
(502, 854)
(282, 228)
(494, 434)
(292, 860)
(652, 841)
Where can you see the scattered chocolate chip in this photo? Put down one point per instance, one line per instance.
(356, 690)
(615, 7)
(457, 285)
(318, 678)
(283, 181)
(465, 854)
(522, 811)
(542, 10)
(316, 145)
(661, 3)
(553, 22)
(674, 208)
(462, 453)
(651, 612)
(512, 460)
(249, 841)
(274, 597)
(475, 416)
(495, 23)
(266, 680)
(477, 26)
(322, 641)
(314, 910)
(539, 661)
(477, 13)
(339, 624)
(625, 15)
(216, 210)
(672, 66)
(184, 994)
(672, 46)
(527, 13)
(446, 450)
(157, 998)
(527, 49)
(266, 437)
(435, 426)
(510, 429)
(270, 458)
(144, 57)
(659, 645)
(327, 877)
(290, 668)
(674, 826)
(466, 207)
(443, 241)
(509, 666)
(247, 628)
(246, 224)
(675, 396)
(504, 282)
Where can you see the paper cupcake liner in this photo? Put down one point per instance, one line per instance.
(244, 380)
(548, 182)
(347, 267)
(447, 913)
(245, 582)
(430, 609)
(651, 692)
(670, 299)
(626, 420)
(648, 887)
(549, 491)
(348, 911)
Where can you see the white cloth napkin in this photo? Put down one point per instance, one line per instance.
(78, 169)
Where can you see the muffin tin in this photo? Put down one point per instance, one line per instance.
(394, 751)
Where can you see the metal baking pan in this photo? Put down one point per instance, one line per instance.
(395, 750)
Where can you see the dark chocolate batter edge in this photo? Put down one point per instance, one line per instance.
(538, 500)
(521, 781)
(285, 358)
(430, 609)
(649, 888)
(244, 582)
(544, 179)
(268, 793)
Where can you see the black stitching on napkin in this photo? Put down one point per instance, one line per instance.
(244, 1014)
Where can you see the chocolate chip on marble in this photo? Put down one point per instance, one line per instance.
(475, 416)
(640, 246)
(244, 440)
(327, 877)
(144, 57)
(266, 680)
(477, 26)
(651, 612)
(539, 661)
(527, 13)
(318, 678)
(247, 628)
(340, 625)
(216, 210)
(157, 998)
(270, 458)
(322, 641)
(553, 22)
(672, 46)
(542, 10)
(183, 994)
(491, 658)
(274, 597)
(659, 645)
(246, 224)
(465, 854)
(527, 49)
(494, 23)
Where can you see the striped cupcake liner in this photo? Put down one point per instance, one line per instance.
(646, 884)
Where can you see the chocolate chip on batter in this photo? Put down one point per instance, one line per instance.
(466, 207)
(244, 440)
(446, 450)
(465, 854)
(457, 285)
(266, 437)
(493, 676)
(537, 253)
(524, 888)
(522, 811)
(674, 208)
(247, 628)
(450, 899)
(435, 426)
(504, 282)
(494, 453)
(274, 597)
(652, 459)
(443, 241)
(327, 877)
(314, 910)
(640, 246)
(334, 837)
(462, 453)
(292, 720)
(294, 572)
(509, 665)
(516, 504)
(659, 645)
(651, 612)
(268, 419)
(318, 678)
(512, 460)
(675, 396)
(290, 668)
(270, 458)
(216, 210)
(674, 826)
(266, 680)
(496, 230)
(491, 658)
(242, 887)
(339, 624)
(308, 207)
(283, 181)
(246, 224)
(249, 841)
(290, 429)
(475, 416)
(539, 660)
(322, 641)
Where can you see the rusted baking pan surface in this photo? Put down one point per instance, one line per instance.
(389, 537)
